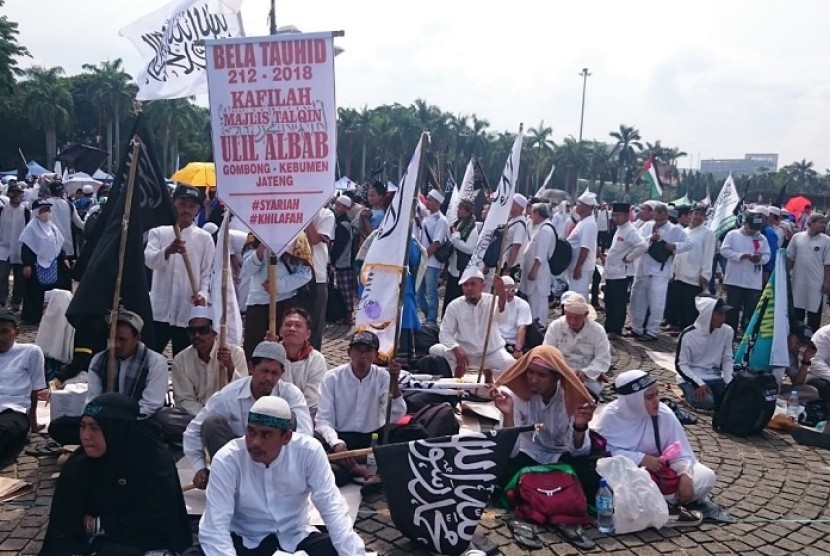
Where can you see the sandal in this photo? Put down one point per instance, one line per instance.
(680, 517)
(647, 338)
(575, 535)
(712, 512)
(372, 485)
(524, 533)
(47, 448)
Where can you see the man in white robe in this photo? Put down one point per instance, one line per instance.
(260, 489)
(583, 241)
(171, 294)
(536, 277)
(808, 260)
(13, 218)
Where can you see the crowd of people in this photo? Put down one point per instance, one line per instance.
(256, 421)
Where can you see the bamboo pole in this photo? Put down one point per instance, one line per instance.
(401, 292)
(194, 285)
(116, 293)
(223, 321)
(272, 292)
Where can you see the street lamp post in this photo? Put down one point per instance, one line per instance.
(584, 75)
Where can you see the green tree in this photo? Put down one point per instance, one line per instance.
(176, 121)
(625, 152)
(573, 156)
(48, 104)
(9, 51)
(541, 148)
(802, 174)
(112, 91)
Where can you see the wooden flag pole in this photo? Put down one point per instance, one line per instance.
(272, 292)
(401, 292)
(122, 247)
(223, 321)
(194, 285)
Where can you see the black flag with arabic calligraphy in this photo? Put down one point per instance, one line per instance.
(437, 489)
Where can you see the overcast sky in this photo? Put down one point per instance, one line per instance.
(717, 79)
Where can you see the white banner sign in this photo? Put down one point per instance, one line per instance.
(169, 42)
(273, 122)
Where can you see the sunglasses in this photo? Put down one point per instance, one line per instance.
(201, 330)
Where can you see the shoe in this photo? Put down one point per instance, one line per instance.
(648, 338)
(681, 517)
(614, 336)
(632, 334)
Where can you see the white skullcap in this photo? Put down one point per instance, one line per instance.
(436, 195)
(199, 312)
(651, 204)
(785, 212)
(520, 200)
(508, 282)
(573, 302)
(87, 189)
(588, 198)
(469, 273)
(345, 201)
(762, 210)
(271, 411)
(210, 228)
(271, 350)
(775, 211)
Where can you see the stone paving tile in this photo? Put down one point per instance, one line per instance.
(767, 476)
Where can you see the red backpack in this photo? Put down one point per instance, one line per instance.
(548, 495)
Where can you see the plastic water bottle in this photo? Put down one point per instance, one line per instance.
(371, 461)
(605, 508)
(793, 407)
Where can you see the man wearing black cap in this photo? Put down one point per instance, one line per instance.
(626, 245)
(13, 218)
(22, 382)
(691, 271)
(172, 295)
(747, 251)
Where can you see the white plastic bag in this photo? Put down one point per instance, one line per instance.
(638, 503)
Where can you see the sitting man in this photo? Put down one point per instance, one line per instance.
(352, 405)
(258, 497)
(306, 366)
(224, 416)
(639, 427)
(198, 372)
(704, 361)
(543, 389)
(463, 333)
(140, 373)
(22, 382)
(582, 341)
(513, 328)
(819, 373)
(800, 336)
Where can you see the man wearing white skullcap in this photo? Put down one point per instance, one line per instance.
(645, 214)
(516, 235)
(199, 371)
(435, 231)
(514, 327)
(583, 241)
(225, 413)
(260, 489)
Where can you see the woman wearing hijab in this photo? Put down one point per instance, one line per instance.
(543, 389)
(42, 254)
(638, 426)
(120, 493)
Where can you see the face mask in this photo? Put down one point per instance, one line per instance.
(44, 216)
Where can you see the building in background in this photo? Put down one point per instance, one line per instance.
(750, 164)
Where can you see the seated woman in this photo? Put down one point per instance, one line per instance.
(638, 426)
(120, 493)
(543, 389)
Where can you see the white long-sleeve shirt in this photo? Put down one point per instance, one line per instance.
(696, 263)
(155, 388)
(626, 247)
(744, 273)
(349, 404)
(254, 500)
(195, 381)
(705, 355)
(288, 280)
(465, 325)
(820, 363)
(307, 375)
(464, 246)
(234, 402)
(670, 233)
(587, 350)
(171, 292)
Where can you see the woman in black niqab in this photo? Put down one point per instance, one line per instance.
(125, 501)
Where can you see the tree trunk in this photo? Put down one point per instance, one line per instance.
(117, 150)
(363, 162)
(110, 147)
(50, 146)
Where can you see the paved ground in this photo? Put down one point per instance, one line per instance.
(768, 482)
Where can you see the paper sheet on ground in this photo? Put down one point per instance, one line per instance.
(664, 359)
(194, 500)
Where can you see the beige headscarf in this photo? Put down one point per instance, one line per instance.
(515, 378)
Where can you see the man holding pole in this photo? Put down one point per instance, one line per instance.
(181, 257)
(320, 232)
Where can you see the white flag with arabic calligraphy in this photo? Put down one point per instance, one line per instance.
(499, 212)
(463, 191)
(384, 264)
(170, 41)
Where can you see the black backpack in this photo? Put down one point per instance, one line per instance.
(562, 254)
(438, 420)
(747, 405)
(493, 252)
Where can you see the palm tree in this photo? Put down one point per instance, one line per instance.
(625, 152)
(478, 137)
(346, 132)
(366, 128)
(541, 145)
(572, 155)
(800, 173)
(170, 119)
(113, 91)
(599, 165)
(47, 101)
